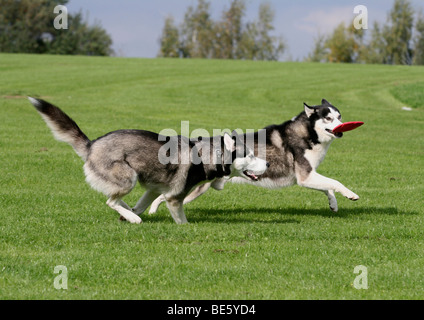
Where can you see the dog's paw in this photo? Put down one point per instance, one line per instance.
(334, 207)
(351, 195)
(332, 201)
(153, 210)
(133, 219)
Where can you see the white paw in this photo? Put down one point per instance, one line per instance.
(133, 219)
(333, 206)
(153, 210)
(136, 220)
(351, 195)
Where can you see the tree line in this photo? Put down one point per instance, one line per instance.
(400, 40)
(26, 26)
(230, 37)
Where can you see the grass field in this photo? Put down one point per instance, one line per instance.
(241, 243)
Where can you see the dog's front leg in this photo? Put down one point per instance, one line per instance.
(175, 206)
(332, 201)
(144, 202)
(197, 192)
(314, 180)
(217, 184)
(155, 204)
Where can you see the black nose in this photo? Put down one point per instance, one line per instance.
(267, 164)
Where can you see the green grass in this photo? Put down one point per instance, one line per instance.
(411, 93)
(241, 243)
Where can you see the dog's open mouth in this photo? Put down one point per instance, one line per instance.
(250, 175)
(336, 134)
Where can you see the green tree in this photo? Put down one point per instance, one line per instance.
(27, 26)
(169, 41)
(319, 52)
(81, 38)
(22, 23)
(197, 31)
(229, 32)
(419, 41)
(341, 45)
(228, 38)
(398, 33)
(257, 42)
(375, 51)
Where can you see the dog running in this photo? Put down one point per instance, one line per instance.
(115, 162)
(294, 150)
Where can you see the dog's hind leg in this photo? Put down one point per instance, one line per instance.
(144, 202)
(125, 205)
(116, 204)
(176, 208)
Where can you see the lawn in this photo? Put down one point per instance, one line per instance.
(241, 243)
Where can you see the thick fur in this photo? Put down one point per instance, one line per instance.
(115, 162)
(294, 150)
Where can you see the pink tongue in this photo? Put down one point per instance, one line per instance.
(248, 173)
(347, 126)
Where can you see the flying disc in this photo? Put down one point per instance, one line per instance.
(347, 126)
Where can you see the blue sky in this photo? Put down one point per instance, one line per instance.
(135, 26)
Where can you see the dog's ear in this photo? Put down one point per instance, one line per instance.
(229, 142)
(325, 102)
(308, 110)
(236, 137)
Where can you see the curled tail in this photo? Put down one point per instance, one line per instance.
(63, 127)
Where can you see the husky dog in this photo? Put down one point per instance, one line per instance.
(116, 161)
(294, 151)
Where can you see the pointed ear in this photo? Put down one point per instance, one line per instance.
(325, 102)
(229, 142)
(308, 110)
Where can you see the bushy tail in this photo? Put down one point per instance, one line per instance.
(63, 127)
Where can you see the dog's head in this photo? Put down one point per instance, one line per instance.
(324, 118)
(242, 159)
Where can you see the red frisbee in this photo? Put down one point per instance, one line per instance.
(347, 126)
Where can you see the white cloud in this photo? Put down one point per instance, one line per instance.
(324, 21)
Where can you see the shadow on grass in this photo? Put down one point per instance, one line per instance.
(273, 215)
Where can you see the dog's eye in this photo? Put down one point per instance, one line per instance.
(329, 119)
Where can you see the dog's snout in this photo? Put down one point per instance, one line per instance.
(268, 165)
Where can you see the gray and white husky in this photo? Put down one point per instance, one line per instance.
(294, 150)
(116, 161)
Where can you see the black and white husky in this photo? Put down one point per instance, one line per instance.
(116, 161)
(294, 150)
